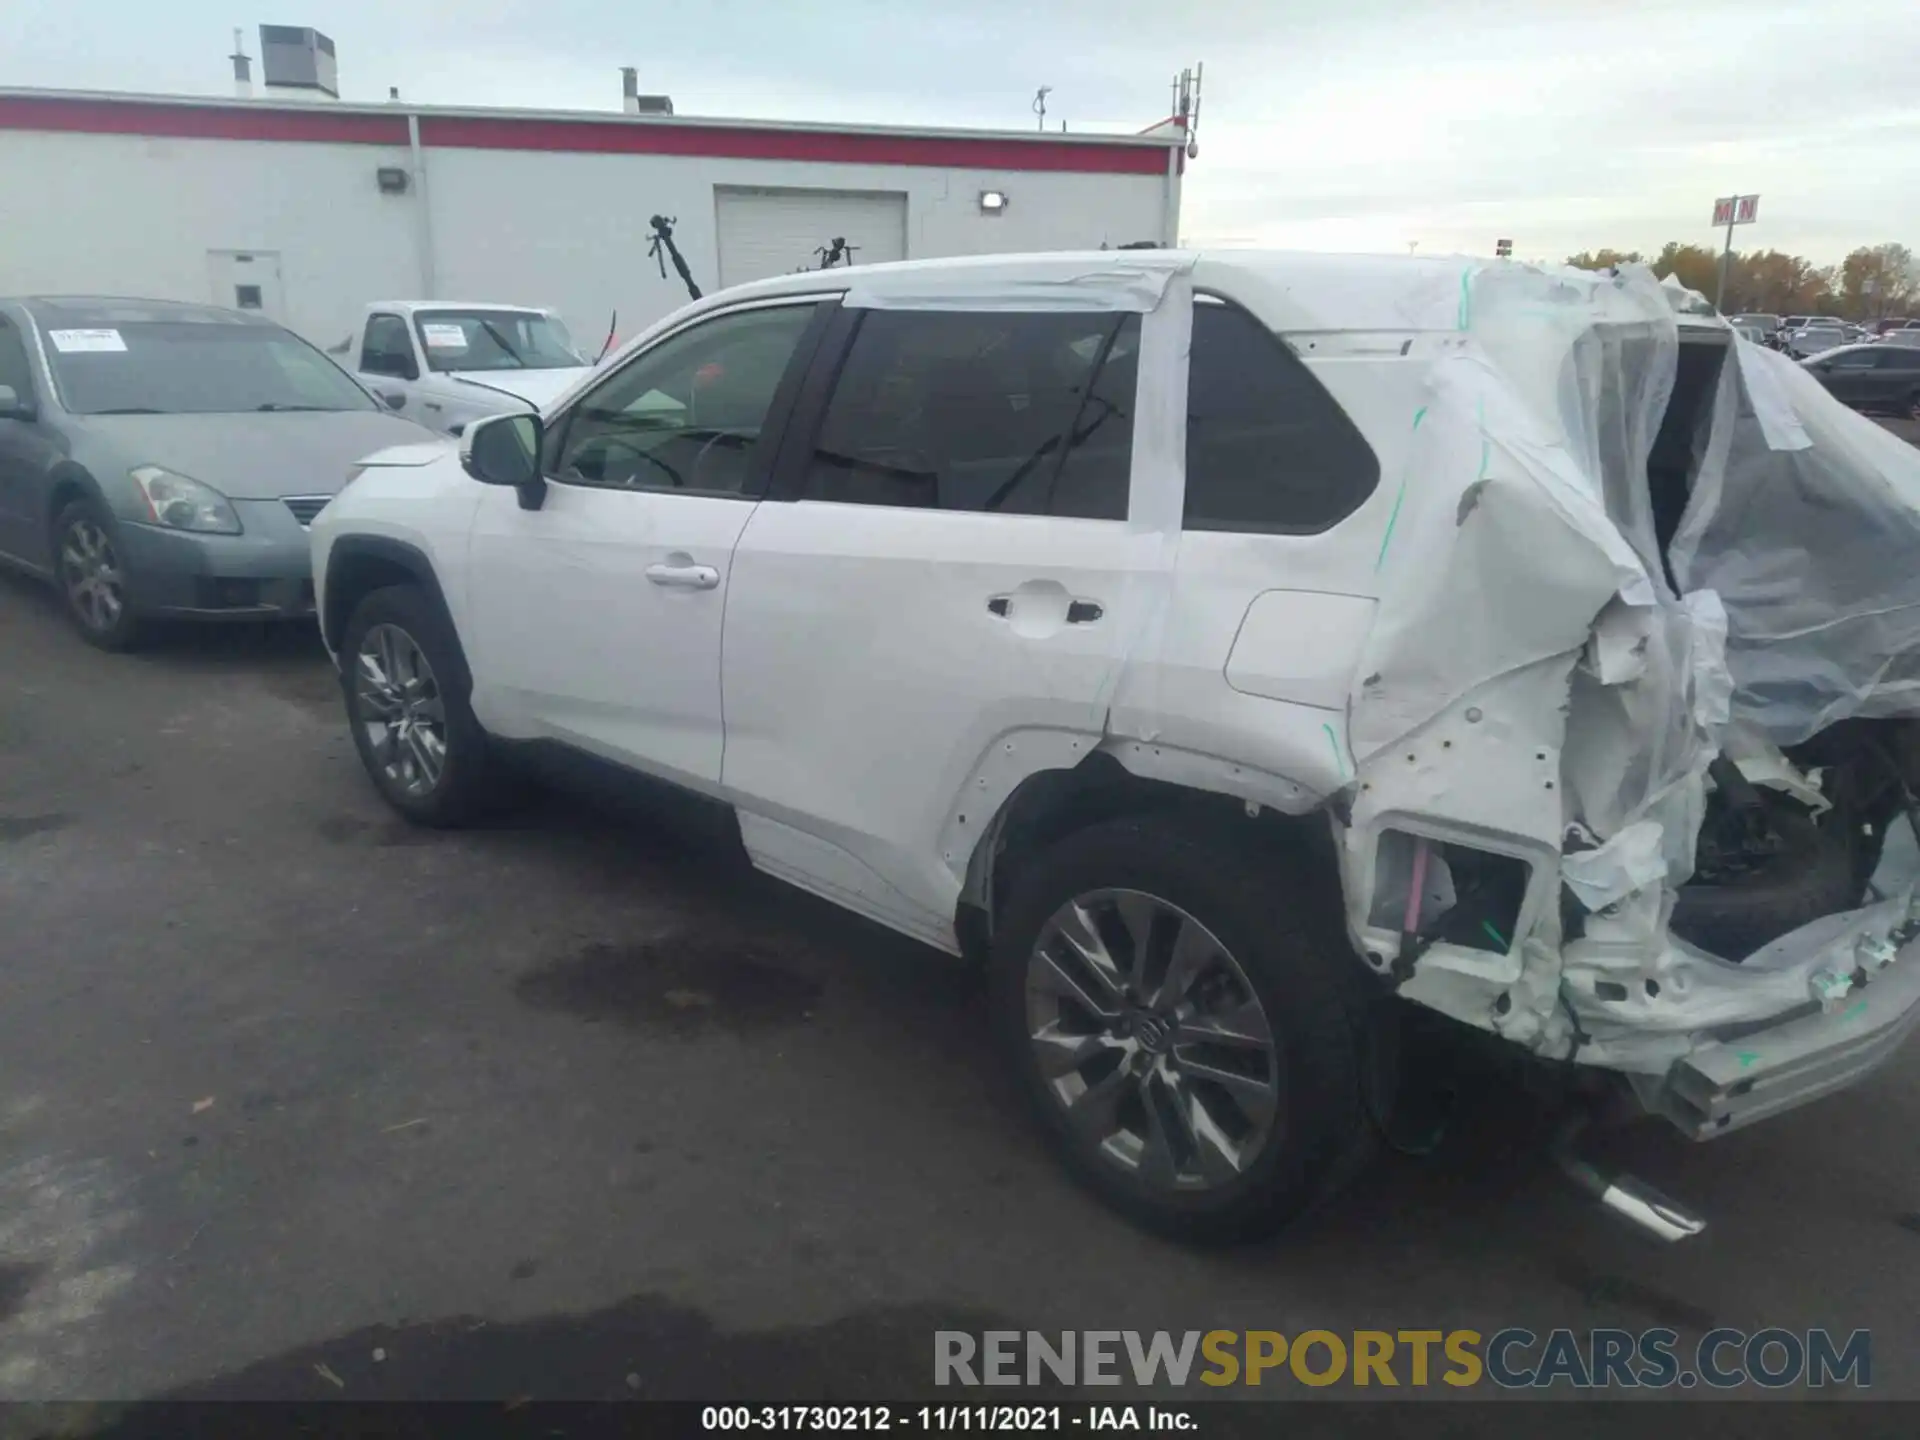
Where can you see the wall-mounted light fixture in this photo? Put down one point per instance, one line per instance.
(392, 180)
(993, 202)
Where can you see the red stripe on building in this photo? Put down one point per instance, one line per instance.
(602, 137)
(198, 122)
(640, 137)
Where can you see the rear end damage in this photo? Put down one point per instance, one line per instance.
(1635, 756)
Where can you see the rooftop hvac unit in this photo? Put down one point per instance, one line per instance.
(298, 57)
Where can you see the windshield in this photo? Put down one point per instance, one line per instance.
(495, 340)
(173, 367)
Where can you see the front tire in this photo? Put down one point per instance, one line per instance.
(1179, 1017)
(404, 681)
(92, 578)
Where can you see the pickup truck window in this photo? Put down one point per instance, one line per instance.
(388, 351)
(1022, 414)
(1268, 449)
(462, 340)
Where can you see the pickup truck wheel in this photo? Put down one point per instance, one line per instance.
(1182, 1028)
(411, 723)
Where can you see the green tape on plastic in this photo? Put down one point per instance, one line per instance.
(1339, 758)
(1394, 518)
(1466, 286)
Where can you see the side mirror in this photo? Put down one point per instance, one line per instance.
(14, 407)
(505, 450)
(392, 399)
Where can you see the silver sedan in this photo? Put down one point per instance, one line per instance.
(164, 460)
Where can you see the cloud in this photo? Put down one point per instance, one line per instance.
(1362, 124)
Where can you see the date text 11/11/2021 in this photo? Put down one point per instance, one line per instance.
(944, 1418)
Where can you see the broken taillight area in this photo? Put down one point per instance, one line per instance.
(1436, 890)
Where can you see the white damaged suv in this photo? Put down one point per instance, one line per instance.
(1232, 651)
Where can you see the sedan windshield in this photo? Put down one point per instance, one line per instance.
(495, 340)
(175, 367)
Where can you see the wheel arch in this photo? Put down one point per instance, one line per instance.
(1053, 803)
(70, 482)
(357, 565)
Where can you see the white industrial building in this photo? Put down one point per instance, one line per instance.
(308, 208)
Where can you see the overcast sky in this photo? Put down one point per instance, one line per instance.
(1337, 124)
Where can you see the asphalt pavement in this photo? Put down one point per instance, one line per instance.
(299, 1102)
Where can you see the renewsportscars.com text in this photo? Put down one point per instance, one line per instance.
(1511, 1359)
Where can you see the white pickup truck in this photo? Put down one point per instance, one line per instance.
(444, 364)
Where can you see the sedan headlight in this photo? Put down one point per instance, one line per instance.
(185, 504)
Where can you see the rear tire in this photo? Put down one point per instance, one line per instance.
(405, 684)
(1281, 972)
(92, 578)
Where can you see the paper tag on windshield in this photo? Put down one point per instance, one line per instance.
(444, 337)
(81, 342)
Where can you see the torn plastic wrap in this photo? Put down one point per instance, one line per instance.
(1536, 685)
(1807, 527)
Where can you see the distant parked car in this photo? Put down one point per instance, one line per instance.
(1893, 323)
(1814, 338)
(1767, 325)
(1748, 328)
(1884, 378)
(445, 364)
(159, 459)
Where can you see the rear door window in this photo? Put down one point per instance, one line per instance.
(1268, 449)
(1010, 412)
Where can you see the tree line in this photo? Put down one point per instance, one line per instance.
(1872, 283)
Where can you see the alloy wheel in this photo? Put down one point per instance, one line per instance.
(1149, 1036)
(399, 705)
(90, 574)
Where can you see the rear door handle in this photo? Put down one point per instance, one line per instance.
(684, 577)
(1083, 612)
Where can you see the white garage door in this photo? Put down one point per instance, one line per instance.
(775, 232)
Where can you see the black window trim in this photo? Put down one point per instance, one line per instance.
(773, 430)
(1292, 359)
(795, 458)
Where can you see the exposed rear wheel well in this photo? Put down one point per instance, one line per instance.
(1048, 807)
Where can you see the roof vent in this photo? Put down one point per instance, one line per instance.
(635, 103)
(298, 57)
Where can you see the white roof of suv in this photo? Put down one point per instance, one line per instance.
(1301, 290)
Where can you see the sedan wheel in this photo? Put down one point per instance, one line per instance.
(90, 572)
(401, 710)
(1149, 1036)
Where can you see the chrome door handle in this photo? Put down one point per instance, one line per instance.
(684, 577)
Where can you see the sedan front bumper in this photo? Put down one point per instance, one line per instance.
(263, 573)
(1737, 1081)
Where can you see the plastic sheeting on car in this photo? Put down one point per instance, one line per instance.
(1806, 524)
(1537, 682)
